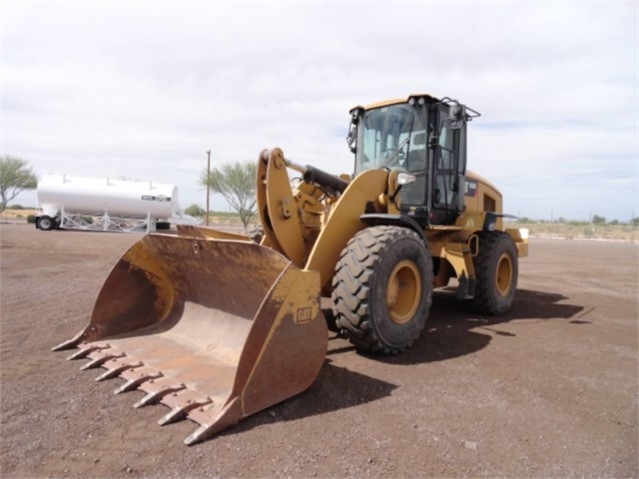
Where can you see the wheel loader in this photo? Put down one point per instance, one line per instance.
(218, 327)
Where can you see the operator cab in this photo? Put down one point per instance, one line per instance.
(424, 137)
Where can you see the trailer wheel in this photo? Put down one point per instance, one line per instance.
(496, 270)
(382, 289)
(46, 223)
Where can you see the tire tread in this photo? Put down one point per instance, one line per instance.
(352, 283)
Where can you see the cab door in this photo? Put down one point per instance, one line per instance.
(449, 165)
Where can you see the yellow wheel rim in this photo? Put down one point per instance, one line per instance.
(504, 276)
(403, 291)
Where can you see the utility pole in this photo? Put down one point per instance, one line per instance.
(208, 184)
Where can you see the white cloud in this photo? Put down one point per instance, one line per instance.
(143, 90)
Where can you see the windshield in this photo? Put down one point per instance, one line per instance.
(390, 137)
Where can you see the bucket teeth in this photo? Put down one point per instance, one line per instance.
(201, 433)
(113, 372)
(134, 382)
(178, 413)
(100, 360)
(69, 343)
(215, 421)
(83, 353)
(155, 396)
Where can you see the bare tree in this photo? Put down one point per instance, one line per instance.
(15, 176)
(236, 183)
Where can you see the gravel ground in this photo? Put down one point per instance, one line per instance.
(548, 390)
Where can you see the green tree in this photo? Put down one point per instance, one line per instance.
(15, 176)
(598, 220)
(236, 183)
(194, 210)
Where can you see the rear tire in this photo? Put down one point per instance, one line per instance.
(46, 223)
(382, 289)
(496, 270)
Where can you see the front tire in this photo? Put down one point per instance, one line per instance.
(496, 270)
(382, 289)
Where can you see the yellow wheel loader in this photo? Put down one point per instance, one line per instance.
(218, 327)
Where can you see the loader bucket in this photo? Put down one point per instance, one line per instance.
(215, 329)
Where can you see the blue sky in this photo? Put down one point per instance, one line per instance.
(142, 89)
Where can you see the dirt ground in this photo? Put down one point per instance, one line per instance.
(548, 390)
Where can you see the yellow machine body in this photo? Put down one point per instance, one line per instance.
(217, 327)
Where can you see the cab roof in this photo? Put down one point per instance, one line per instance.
(429, 98)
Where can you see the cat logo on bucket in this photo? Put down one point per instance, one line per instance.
(304, 315)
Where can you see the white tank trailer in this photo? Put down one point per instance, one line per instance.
(101, 204)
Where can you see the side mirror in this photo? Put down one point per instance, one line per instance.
(351, 138)
(457, 117)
